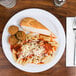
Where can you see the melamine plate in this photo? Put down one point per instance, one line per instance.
(47, 19)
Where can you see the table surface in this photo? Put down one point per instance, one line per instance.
(68, 9)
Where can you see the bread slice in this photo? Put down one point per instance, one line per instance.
(32, 25)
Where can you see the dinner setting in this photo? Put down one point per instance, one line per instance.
(37, 37)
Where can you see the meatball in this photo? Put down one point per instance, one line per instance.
(21, 35)
(13, 29)
(12, 40)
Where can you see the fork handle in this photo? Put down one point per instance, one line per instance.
(75, 51)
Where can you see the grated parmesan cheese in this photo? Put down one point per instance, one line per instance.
(32, 48)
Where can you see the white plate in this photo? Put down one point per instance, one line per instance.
(47, 19)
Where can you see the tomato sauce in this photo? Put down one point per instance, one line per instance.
(47, 46)
(41, 63)
(17, 47)
(30, 56)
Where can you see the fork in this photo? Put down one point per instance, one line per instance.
(74, 29)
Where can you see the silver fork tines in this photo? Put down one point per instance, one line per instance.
(74, 29)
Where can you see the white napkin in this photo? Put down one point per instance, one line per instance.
(70, 42)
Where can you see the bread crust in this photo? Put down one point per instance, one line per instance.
(31, 22)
